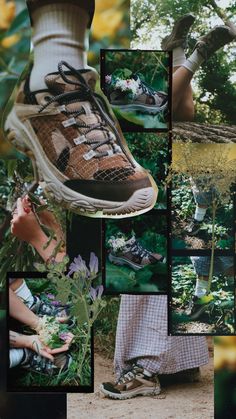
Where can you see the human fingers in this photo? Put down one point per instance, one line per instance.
(19, 206)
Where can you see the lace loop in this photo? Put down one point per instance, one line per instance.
(84, 93)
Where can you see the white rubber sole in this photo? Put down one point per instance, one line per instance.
(132, 393)
(22, 136)
(154, 110)
(122, 261)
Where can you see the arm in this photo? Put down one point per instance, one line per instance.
(32, 342)
(26, 227)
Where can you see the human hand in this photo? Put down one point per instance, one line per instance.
(68, 338)
(34, 343)
(24, 224)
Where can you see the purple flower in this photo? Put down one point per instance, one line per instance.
(50, 296)
(56, 303)
(96, 292)
(93, 264)
(78, 265)
(63, 336)
(108, 78)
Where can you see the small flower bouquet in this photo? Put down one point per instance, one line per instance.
(117, 244)
(122, 80)
(54, 334)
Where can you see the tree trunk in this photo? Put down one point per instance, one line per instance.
(204, 133)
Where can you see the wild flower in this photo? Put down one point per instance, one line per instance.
(117, 243)
(128, 85)
(96, 293)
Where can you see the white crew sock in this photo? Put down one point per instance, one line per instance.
(200, 288)
(60, 33)
(179, 56)
(200, 213)
(24, 293)
(193, 62)
(15, 357)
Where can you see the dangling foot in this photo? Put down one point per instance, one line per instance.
(179, 34)
(219, 36)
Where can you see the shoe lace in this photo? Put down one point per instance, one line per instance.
(138, 250)
(128, 375)
(146, 88)
(107, 125)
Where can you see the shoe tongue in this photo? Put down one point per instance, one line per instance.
(57, 85)
(131, 241)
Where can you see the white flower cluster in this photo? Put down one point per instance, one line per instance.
(117, 243)
(129, 85)
(49, 327)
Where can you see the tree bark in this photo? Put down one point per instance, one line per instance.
(204, 133)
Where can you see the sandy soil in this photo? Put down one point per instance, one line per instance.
(190, 401)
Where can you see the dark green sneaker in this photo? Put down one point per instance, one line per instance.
(197, 306)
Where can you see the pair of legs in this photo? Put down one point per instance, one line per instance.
(184, 68)
(142, 339)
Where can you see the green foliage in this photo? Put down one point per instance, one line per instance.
(151, 66)
(151, 152)
(84, 310)
(15, 57)
(152, 20)
(221, 314)
(105, 327)
(183, 206)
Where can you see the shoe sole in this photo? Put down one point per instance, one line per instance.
(122, 261)
(154, 110)
(130, 394)
(25, 140)
(171, 39)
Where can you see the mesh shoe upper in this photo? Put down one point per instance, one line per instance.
(76, 131)
(141, 93)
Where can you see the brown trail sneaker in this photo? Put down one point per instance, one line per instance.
(131, 253)
(215, 39)
(132, 383)
(178, 36)
(134, 94)
(80, 153)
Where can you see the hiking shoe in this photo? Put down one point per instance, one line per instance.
(134, 94)
(81, 155)
(193, 227)
(178, 36)
(52, 308)
(132, 253)
(214, 40)
(134, 382)
(196, 307)
(37, 363)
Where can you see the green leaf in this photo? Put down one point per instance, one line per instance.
(79, 310)
(21, 21)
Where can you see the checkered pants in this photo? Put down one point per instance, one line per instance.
(142, 337)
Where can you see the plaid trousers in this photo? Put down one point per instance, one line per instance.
(142, 337)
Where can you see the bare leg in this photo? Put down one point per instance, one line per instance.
(182, 96)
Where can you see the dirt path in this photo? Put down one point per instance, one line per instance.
(190, 401)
